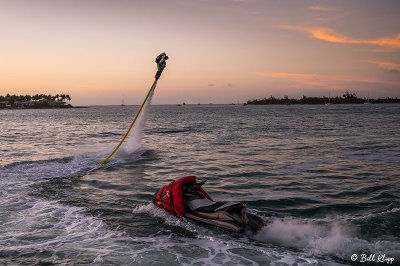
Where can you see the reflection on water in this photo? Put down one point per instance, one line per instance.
(324, 177)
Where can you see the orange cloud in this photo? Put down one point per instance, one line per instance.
(320, 33)
(391, 42)
(330, 35)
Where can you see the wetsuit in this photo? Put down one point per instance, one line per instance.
(161, 64)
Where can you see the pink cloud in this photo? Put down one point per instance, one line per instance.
(321, 8)
(321, 81)
(387, 66)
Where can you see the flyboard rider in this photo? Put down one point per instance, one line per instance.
(161, 64)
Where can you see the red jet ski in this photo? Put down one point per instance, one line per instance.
(187, 198)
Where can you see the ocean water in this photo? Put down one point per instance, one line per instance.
(325, 178)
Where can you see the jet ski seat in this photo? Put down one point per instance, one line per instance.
(196, 201)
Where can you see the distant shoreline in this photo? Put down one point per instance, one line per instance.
(347, 98)
(41, 107)
(35, 106)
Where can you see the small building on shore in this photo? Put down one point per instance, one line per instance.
(5, 104)
(32, 104)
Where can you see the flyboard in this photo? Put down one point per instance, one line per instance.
(161, 64)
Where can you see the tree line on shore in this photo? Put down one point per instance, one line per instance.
(11, 99)
(347, 98)
(34, 101)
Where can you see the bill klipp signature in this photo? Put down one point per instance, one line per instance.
(378, 258)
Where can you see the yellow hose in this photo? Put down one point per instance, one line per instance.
(133, 122)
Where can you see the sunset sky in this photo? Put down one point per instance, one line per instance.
(220, 50)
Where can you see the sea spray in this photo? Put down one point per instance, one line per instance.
(290, 233)
(133, 144)
(333, 238)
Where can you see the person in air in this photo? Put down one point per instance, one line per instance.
(161, 64)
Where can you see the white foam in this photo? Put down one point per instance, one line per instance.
(371, 215)
(169, 218)
(333, 239)
(289, 233)
(61, 229)
(56, 168)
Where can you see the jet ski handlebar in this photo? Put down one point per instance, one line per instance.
(197, 186)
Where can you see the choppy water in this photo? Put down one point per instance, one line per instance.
(326, 178)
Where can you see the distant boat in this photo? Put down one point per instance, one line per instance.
(329, 100)
(122, 101)
(367, 102)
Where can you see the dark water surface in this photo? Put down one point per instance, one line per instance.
(326, 178)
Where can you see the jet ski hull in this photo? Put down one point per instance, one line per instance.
(254, 224)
